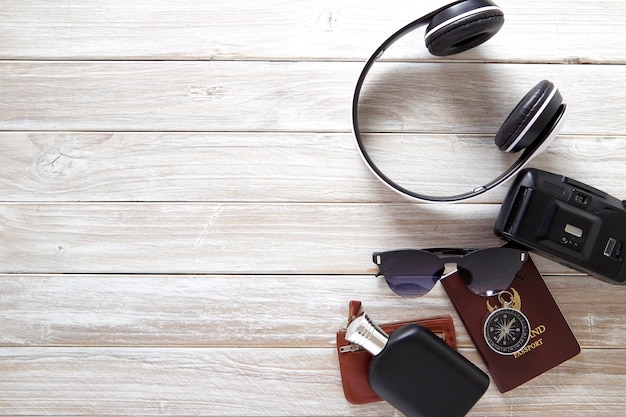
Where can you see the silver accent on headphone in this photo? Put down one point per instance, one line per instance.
(550, 137)
(534, 119)
(461, 16)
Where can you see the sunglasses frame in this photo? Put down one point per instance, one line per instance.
(447, 257)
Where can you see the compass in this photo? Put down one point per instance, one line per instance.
(506, 331)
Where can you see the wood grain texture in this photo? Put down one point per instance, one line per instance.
(237, 310)
(184, 215)
(235, 382)
(558, 31)
(275, 167)
(233, 238)
(240, 96)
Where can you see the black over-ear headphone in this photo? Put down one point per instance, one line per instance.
(532, 125)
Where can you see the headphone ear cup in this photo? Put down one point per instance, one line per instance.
(462, 26)
(528, 121)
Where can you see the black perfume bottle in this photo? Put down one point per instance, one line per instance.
(416, 372)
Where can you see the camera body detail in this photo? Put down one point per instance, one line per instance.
(568, 221)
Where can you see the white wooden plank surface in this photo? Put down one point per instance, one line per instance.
(536, 30)
(184, 216)
(261, 381)
(235, 310)
(272, 167)
(296, 96)
(233, 238)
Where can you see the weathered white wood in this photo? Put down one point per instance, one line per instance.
(301, 96)
(210, 141)
(232, 238)
(535, 30)
(275, 167)
(263, 381)
(256, 310)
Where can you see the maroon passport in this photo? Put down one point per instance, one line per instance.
(520, 333)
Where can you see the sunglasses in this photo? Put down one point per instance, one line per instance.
(413, 272)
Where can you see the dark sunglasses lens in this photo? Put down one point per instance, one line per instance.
(409, 273)
(411, 286)
(489, 271)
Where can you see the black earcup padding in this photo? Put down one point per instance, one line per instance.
(530, 117)
(466, 32)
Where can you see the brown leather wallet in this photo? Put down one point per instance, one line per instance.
(354, 361)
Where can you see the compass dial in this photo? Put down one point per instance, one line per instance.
(507, 331)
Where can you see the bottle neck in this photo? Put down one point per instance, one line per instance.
(365, 333)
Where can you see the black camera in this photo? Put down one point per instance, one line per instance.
(568, 221)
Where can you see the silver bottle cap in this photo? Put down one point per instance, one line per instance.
(365, 333)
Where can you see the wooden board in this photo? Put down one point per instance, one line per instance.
(246, 310)
(273, 167)
(575, 31)
(257, 96)
(235, 382)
